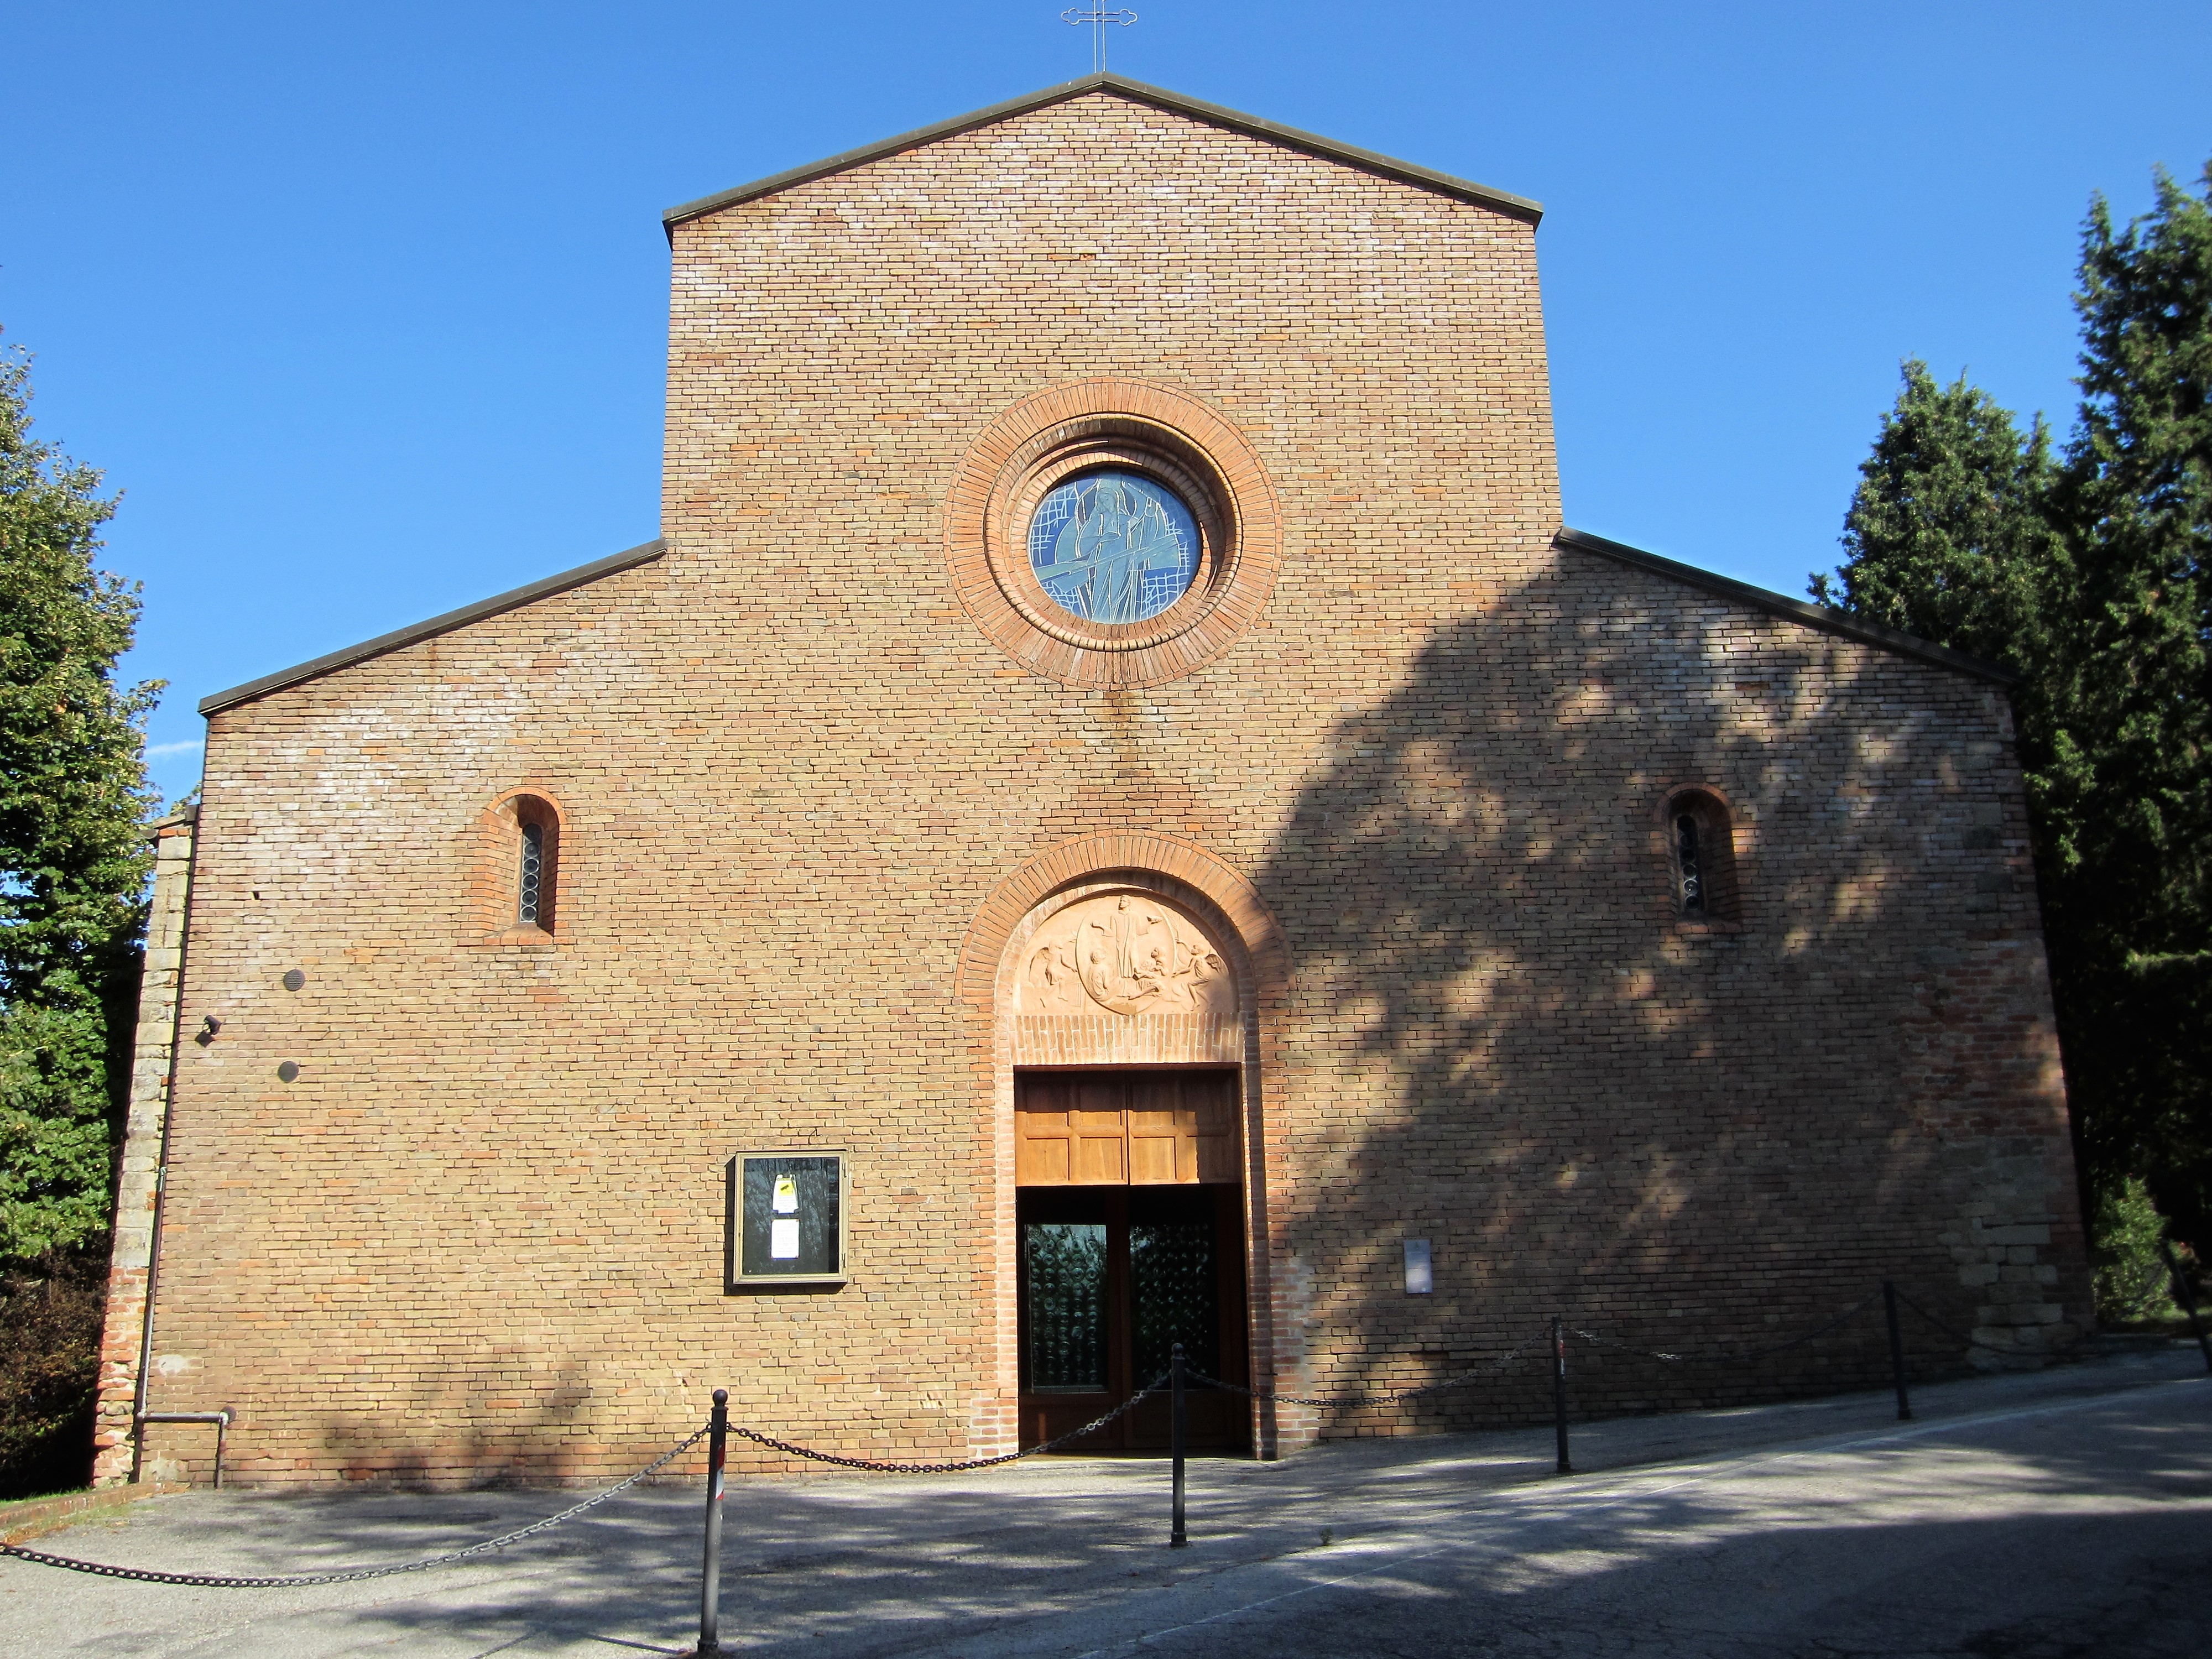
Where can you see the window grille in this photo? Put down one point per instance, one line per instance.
(1690, 881)
(533, 871)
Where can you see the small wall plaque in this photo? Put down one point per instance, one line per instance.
(785, 1224)
(1420, 1277)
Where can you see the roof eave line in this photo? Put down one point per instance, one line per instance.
(1823, 618)
(513, 599)
(1520, 207)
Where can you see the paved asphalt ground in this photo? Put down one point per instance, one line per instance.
(2066, 1515)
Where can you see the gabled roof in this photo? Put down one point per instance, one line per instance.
(1777, 604)
(514, 599)
(1367, 160)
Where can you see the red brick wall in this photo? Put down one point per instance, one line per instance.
(481, 1232)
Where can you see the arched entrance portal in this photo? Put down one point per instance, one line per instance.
(1129, 1045)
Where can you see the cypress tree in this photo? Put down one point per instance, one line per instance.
(2130, 814)
(1946, 536)
(2087, 576)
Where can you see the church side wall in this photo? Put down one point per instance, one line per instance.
(479, 1232)
(1688, 1137)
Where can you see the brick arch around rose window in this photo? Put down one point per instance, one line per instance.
(1718, 831)
(497, 870)
(1206, 460)
(1230, 907)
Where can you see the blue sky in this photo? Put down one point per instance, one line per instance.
(363, 308)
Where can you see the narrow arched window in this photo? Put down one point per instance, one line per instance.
(1699, 839)
(521, 877)
(1689, 871)
(532, 882)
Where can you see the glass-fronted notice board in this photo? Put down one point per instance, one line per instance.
(786, 1219)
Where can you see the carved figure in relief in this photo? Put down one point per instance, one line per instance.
(1129, 954)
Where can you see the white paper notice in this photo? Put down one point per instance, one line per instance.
(1420, 1279)
(786, 1196)
(783, 1241)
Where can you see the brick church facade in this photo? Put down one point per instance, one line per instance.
(1114, 758)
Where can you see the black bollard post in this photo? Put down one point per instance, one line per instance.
(2188, 1302)
(1176, 1537)
(1559, 1389)
(1896, 1350)
(710, 1575)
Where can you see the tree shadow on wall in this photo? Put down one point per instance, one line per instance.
(1504, 1041)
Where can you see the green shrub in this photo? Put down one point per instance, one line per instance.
(2132, 1284)
(50, 1321)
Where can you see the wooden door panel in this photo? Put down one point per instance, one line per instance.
(1152, 1159)
(1101, 1131)
(1211, 1098)
(1100, 1161)
(1042, 1161)
(1140, 1128)
(1213, 1420)
(1090, 1092)
(1042, 1154)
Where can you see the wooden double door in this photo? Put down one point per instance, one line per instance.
(1116, 1268)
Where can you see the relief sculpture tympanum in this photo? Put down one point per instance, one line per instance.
(1128, 955)
(1126, 973)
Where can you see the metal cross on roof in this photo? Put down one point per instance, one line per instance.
(1099, 17)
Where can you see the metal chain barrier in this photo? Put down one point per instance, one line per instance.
(1390, 1399)
(1840, 1320)
(1959, 1336)
(1157, 1385)
(300, 1580)
(1180, 1374)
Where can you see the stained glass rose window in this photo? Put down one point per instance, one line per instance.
(1113, 547)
